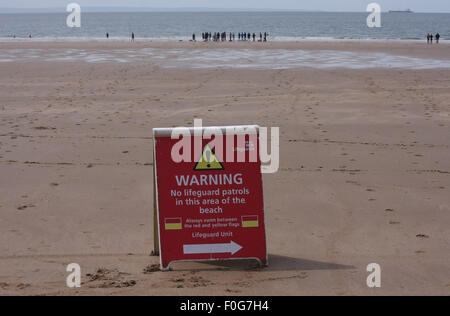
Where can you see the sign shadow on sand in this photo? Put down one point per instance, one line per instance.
(276, 263)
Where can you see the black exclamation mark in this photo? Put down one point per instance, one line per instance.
(208, 158)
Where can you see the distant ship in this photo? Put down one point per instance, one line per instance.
(401, 11)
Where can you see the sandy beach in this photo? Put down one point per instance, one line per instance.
(364, 164)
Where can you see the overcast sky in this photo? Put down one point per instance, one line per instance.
(323, 5)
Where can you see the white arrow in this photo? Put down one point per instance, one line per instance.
(231, 247)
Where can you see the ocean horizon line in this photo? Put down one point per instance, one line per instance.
(87, 9)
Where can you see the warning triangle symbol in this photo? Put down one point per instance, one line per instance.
(208, 160)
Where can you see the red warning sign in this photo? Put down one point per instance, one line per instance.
(209, 207)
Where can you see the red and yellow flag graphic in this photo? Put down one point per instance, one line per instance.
(173, 223)
(250, 221)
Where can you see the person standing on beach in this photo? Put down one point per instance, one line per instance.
(438, 36)
(107, 35)
(132, 37)
(193, 37)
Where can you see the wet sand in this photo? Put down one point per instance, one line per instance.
(405, 48)
(364, 174)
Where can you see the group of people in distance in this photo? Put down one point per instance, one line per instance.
(430, 38)
(221, 37)
(231, 37)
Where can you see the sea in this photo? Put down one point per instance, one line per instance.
(179, 26)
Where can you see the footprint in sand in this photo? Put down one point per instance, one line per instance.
(232, 291)
(198, 281)
(24, 207)
(179, 280)
(23, 286)
(4, 286)
(151, 269)
(104, 278)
